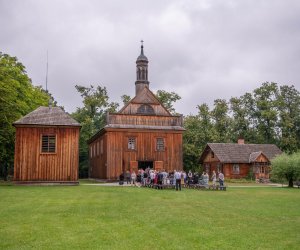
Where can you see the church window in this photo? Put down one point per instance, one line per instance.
(145, 109)
(131, 143)
(160, 144)
(143, 74)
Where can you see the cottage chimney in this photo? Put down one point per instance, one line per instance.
(241, 141)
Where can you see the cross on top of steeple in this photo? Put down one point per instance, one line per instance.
(142, 57)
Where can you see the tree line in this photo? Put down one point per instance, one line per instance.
(269, 114)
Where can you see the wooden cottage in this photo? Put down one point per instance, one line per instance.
(238, 160)
(142, 134)
(46, 147)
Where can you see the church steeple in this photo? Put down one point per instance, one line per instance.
(141, 71)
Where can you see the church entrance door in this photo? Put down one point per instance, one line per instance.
(145, 164)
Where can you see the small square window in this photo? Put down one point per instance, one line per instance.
(131, 143)
(236, 168)
(48, 144)
(160, 144)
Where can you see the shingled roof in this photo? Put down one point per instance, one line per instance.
(53, 116)
(240, 153)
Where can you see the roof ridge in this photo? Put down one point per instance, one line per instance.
(43, 115)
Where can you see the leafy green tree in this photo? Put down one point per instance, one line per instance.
(287, 167)
(18, 97)
(168, 99)
(222, 121)
(242, 110)
(289, 118)
(266, 112)
(199, 131)
(125, 99)
(92, 118)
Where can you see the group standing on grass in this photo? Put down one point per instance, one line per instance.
(175, 178)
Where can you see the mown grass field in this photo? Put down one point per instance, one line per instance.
(100, 217)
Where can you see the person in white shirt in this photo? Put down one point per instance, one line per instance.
(178, 180)
(214, 178)
(152, 176)
(133, 177)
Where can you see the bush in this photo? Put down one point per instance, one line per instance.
(286, 167)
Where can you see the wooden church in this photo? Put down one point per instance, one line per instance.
(46, 147)
(142, 134)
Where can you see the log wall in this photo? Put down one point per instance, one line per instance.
(30, 164)
(117, 157)
(132, 109)
(144, 120)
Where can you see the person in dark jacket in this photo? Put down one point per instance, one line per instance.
(128, 177)
(121, 178)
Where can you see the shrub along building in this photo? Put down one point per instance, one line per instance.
(142, 134)
(239, 160)
(46, 148)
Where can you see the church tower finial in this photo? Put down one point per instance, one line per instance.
(141, 71)
(142, 47)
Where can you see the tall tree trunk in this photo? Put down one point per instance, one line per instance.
(291, 183)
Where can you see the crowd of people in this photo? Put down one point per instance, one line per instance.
(176, 178)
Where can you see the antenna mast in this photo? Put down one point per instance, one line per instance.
(47, 73)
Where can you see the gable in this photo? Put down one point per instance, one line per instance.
(145, 102)
(146, 97)
(258, 157)
(210, 156)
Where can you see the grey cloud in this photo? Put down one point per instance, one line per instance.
(201, 49)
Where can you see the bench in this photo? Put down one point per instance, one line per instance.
(206, 187)
(297, 183)
(191, 186)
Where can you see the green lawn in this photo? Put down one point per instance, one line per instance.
(98, 217)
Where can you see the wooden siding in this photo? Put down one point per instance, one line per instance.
(261, 158)
(98, 166)
(117, 157)
(144, 120)
(133, 108)
(227, 169)
(32, 165)
(211, 157)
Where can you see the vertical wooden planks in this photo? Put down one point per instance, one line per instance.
(32, 165)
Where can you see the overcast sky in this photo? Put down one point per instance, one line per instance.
(202, 50)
